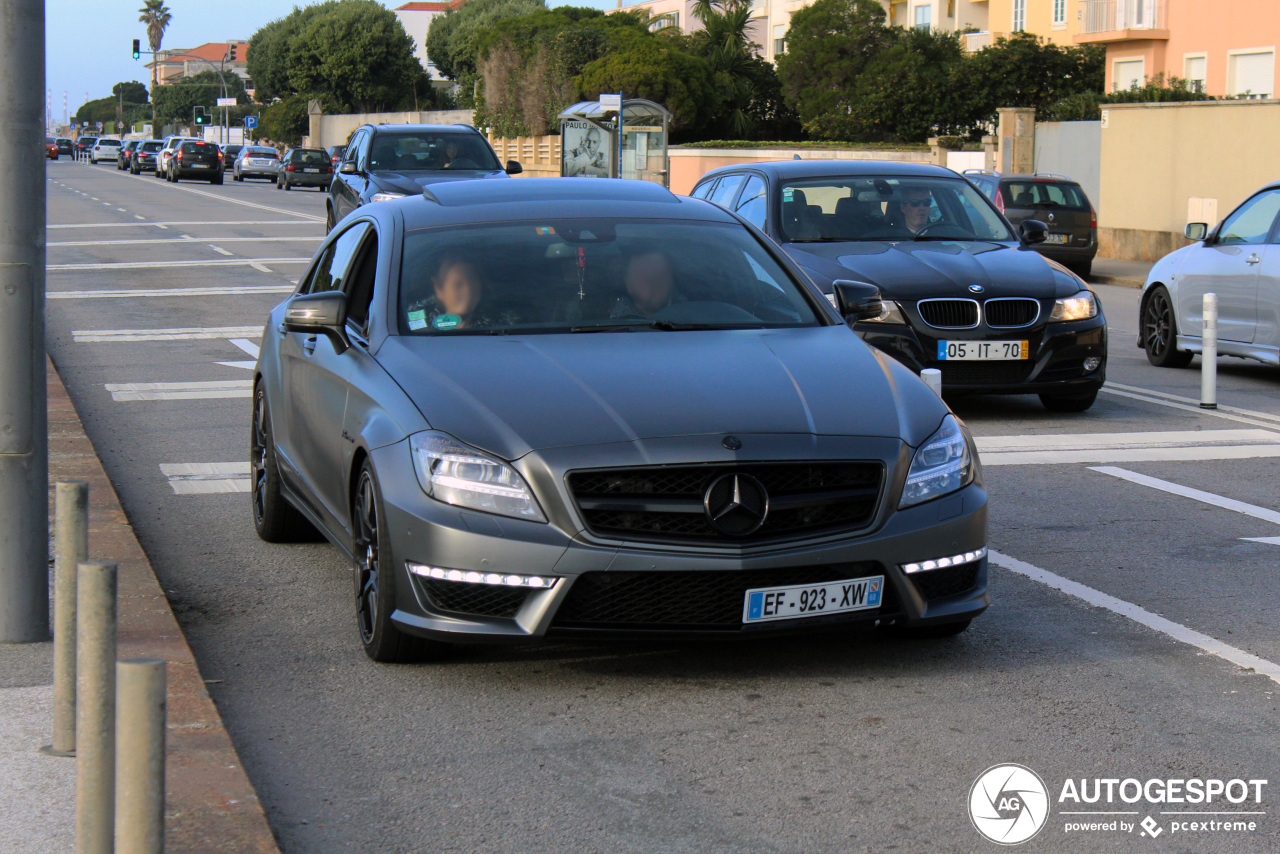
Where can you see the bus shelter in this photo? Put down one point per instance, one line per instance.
(592, 146)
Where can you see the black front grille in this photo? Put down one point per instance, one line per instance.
(949, 313)
(984, 373)
(1012, 312)
(941, 583)
(473, 600)
(666, 503)
(691, 600)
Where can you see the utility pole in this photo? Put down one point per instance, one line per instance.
(24, 439)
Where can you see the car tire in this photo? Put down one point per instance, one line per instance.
(931, 632)
(1068, 403)
(274, 518)
(287, 186)
(328, 219)
(375, 587)
(1160, 331)
(1083, 270)
(237, 176)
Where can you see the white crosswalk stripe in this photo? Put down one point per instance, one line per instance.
(180, 391)
(194, 333)
(126, 293)
(1094, 448)
(207, 478)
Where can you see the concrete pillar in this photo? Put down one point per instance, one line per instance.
(315, 113)
(937, 154)
(1017, 146)
(989, 150)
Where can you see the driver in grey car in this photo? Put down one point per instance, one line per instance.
(650, 284)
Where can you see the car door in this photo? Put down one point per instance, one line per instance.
(1228, 265)
(313, 378)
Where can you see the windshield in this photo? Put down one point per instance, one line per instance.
(1046, 194)
(887, 208)
(259, 151)
(401, 152)
(311, 157)
(108, 142)
(152, 146)
(593, 275)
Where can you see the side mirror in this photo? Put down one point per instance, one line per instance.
(1033, 231)
(514, 167)
(1196, 230)
(348, 167)
(857, 300)
(324, 314)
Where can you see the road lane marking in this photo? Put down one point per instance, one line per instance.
(229, 199)
(1216, 413)
(1128, 447)
(207, 478)
(1252, 413)
(152, 265)
(262, 268)
(247, 345)
(1140, 615)
(167, 224)
(234, 290)
(1222, 501)
(186, 238)
(135, 216)
(221, 389)
(192, 333)
(220, 250)
(122, 210)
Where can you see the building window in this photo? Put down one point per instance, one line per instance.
(1128, 73)
(1194, 69)
(1251, 74)
(1059, 13)
(1019, 15)
(924, 17)
(779, 39)
(666, 19)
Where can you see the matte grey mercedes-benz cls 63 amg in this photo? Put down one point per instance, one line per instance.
(570, 408)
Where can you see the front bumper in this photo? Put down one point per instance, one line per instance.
(434, 534)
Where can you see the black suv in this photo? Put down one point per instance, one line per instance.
(384, 162)
(1055, 200)
(196, 160)
(83, 146)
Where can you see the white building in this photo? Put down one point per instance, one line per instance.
(416, 19)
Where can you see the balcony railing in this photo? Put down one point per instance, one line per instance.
(1104, 16)
(974, 42)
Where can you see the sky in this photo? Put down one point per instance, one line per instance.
(88, 42)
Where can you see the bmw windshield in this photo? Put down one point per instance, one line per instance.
(841, 209)
(597, 275)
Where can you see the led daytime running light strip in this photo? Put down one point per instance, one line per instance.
(940, 563)
(493, 579)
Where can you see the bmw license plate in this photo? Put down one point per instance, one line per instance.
(812, 600)
(1060, 239)
(982, 351)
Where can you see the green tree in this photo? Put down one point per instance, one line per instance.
(285, 121)
(156, 16)
(175, 102)
(269, 50)
(657, 69)
(1023, 70)
(132, 92)
(454, 39)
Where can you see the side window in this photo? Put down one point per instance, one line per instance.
(751, 204)
(727, 189)
(331, 269)
(1251, 222)
(359, 284)
(703, 190)
(362, 151)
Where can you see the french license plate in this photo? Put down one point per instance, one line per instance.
(199, 165)
(310, 170)
(1060, 239)
(982, 351)
(812, 600)
(262, 163)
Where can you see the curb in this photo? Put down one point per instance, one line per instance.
(210, 805)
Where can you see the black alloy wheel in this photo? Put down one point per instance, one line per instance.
(328, 219)
(274, 518)
(1160, 332)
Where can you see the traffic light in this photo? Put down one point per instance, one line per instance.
(232, 53)
(137, 48)
(199, 116)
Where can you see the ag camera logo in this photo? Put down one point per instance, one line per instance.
(1008, 804)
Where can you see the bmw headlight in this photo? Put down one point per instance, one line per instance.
(941, 465)
(386, 197)
(454, 473)
(1082, 306)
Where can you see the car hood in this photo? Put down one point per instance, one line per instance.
(514, 394)
(411, 183)
(909, 270)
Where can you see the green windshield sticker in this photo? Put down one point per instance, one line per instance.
(446, 321)
(787, 194)
(417, 315)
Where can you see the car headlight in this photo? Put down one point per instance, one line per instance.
(386, 197)
(454, 473)
(1082, 306)
(941, 465)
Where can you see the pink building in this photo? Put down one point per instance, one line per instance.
(1227, 47)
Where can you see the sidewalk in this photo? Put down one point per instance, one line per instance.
(1111, 271)
(211, 805)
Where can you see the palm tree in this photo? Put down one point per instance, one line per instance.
(156, 16)
(725, 42)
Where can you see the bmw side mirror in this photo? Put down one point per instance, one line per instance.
(857, 300)
(347, 168)
(324, 314)
(514, 167)
(1033, 231)
(1196, 230)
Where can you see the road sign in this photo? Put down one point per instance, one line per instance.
(611, 102)
(226, 102)
(251, 122)
(99, 125)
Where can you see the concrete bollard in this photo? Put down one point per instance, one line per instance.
(933, 379)
(70, 549)
(96, 708)
(140, 739)
(1209, 356)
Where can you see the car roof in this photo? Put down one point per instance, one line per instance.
(389, 128)
(1041, 177)
(500, 200)
(785, 169)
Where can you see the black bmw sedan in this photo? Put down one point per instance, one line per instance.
(559, 408)
(964, 292)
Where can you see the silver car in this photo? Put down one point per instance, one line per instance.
(256, 161)
(1239, 260)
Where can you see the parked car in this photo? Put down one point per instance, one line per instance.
(1235, 260)
(66, 147)
(229, 152)
(143, 157)
(497, 473)
(964, 293)
(104, 149)
(304, 167)
(335, 154)
(384, 162)
(165, 154)
(50, 148)
(191, 159)
(256, 161)
(1057, 201)
(126, 152)
(83, 146)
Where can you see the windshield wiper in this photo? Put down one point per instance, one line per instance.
(664, 326)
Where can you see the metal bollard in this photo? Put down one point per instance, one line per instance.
(70, 549)
(1209, 356)
(933, 379)
(140, 720)
(96, 708)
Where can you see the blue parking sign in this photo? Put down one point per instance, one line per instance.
(251, 122)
